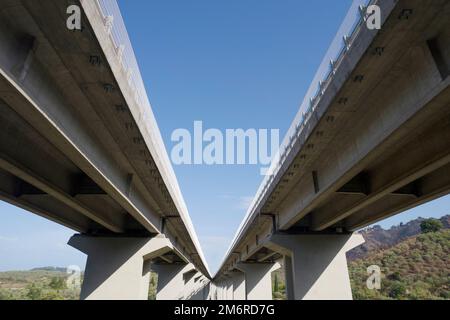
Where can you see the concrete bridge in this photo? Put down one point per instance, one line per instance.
(373, 141)
(80, 146)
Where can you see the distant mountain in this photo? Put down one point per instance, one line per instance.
(57, 269)
(378, 238)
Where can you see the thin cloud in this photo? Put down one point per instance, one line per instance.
(245, 202)
(8, 239)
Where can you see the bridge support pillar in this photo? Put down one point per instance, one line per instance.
(316, 265)
(223, 292)
(201, 290)
(117, 268)
(238, 279)
(212, 295)
(258, 280)
(172, 278)
(229, 289)
(196, 286)
(219, 288)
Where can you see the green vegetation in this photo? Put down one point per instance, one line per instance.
(416, 268)
(278, 285)
(431, 225)
(152, 286)
(38, 284)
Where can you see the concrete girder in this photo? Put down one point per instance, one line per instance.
(35, 180)
(420, 157)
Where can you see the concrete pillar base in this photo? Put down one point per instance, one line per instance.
(258, 280)
(199, 289)
(318, 268)
(229, 289)
(115, 267)
(238, 279)
(172, 280)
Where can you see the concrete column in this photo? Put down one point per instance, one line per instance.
(197, 288)
(220, 291)
(229, 289)
(115, 268)
(318, 268)
(213, 293)
(238, 279)
(171, 280)
(224, 290)
(190, 285)
(205, 291)
(258, 281)
(289, 278)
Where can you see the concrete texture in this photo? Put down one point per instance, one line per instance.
(115, 266)
(171, 280)
(258, 280)
(317, 265)
(238, 279)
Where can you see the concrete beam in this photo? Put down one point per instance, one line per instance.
(115, 268)
(316, 267)
(425, 154)
(10, 165)
(431, 186)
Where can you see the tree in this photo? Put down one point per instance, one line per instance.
(430, 225)
(57, 283)
(275, 283)
(397, 290)
(34, 292)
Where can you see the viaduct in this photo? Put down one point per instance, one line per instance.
(80, 146)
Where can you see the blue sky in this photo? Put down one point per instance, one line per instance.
(231, 64)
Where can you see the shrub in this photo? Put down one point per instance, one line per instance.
(397, 290)
(430, 225)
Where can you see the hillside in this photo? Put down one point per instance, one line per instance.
(37, 284)
(378, 238)
(413, 265)
(416, 268)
